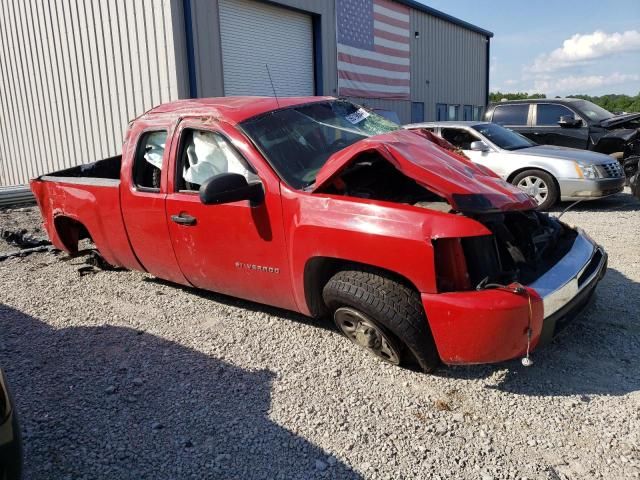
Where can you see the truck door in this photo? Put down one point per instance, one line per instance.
(142, 201)
(549, 132)
(233, 248)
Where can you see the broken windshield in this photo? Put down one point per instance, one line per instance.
(298, 141)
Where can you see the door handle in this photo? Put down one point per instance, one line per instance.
(184, 219)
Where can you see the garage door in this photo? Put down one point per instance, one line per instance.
(254, 34)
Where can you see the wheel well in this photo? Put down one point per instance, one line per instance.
(513, 175)
(70, 231)
(318, 271)
(520, 170)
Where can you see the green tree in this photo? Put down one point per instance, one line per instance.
(613, 102)
(498, 96)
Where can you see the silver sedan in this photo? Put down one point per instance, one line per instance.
(547, 173)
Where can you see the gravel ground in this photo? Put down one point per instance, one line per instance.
(118, 375)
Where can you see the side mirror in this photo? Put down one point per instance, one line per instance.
(230, 187)
(569, 121)
(479, 146)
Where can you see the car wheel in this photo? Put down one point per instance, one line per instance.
(540, 185)
(634, 183)
(383, 316)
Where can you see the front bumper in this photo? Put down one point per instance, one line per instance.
(491, 325)
(566, 288)
(577, 189)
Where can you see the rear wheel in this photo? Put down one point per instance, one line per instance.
(383, 316)
(540, 185)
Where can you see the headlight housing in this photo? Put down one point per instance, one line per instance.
(588, 172)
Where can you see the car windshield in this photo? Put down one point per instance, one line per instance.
(593, 111)
(503, 137)
(297, 141)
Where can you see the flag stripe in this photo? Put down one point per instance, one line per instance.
(374, 56)
(361, 77)
(367, 62)
(391, 5)
(399, 31)
(390, 21)
(393, 89)
(391, 51)
(383, 42)
(393, 37)
(359, 69)
(354, 92)
(387, 12)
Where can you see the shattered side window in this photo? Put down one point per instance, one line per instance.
(206, 154)
(147, 165)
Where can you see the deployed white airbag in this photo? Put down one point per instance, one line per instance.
(210, 154)
(154, 148)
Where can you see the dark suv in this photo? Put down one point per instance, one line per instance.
(576, 123)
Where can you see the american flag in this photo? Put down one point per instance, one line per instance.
(373, 49)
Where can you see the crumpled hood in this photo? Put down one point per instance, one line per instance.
(466, 186)
(619, 120)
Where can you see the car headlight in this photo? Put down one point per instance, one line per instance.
(587, 171)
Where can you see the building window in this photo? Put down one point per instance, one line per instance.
(454, 112)
(477, 112)
(467, 113)
(417, 112)
(441, 112)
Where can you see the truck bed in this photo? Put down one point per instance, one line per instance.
(106, 172)
(84, 201)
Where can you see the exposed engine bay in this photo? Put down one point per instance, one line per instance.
(373, 177)
(527, 244)
(523, 244)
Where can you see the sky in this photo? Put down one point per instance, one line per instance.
(559, 47)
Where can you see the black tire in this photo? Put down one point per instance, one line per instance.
(634, 183)
(553, 192)
(392, 306)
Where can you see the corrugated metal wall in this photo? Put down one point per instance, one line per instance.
(448, 64)
(74, 72)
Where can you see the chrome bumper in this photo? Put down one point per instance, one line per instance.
(571, 189)
(574, 275)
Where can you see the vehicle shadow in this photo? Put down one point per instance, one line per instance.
(112, 402)
(621, 202)
(324, 323)
(598, 353)
(595, 354)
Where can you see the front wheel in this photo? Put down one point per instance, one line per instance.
(383, 316)
(540, 185)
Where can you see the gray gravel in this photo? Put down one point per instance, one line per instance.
(119, 375)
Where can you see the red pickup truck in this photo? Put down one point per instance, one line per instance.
(323, 207)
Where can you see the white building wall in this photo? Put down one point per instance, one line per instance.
(74, 72)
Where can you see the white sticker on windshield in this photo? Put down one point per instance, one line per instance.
(357, 116)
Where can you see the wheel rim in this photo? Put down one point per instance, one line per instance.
(358, 328)
(536, 187)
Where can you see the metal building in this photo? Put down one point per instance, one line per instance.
(74, 72)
